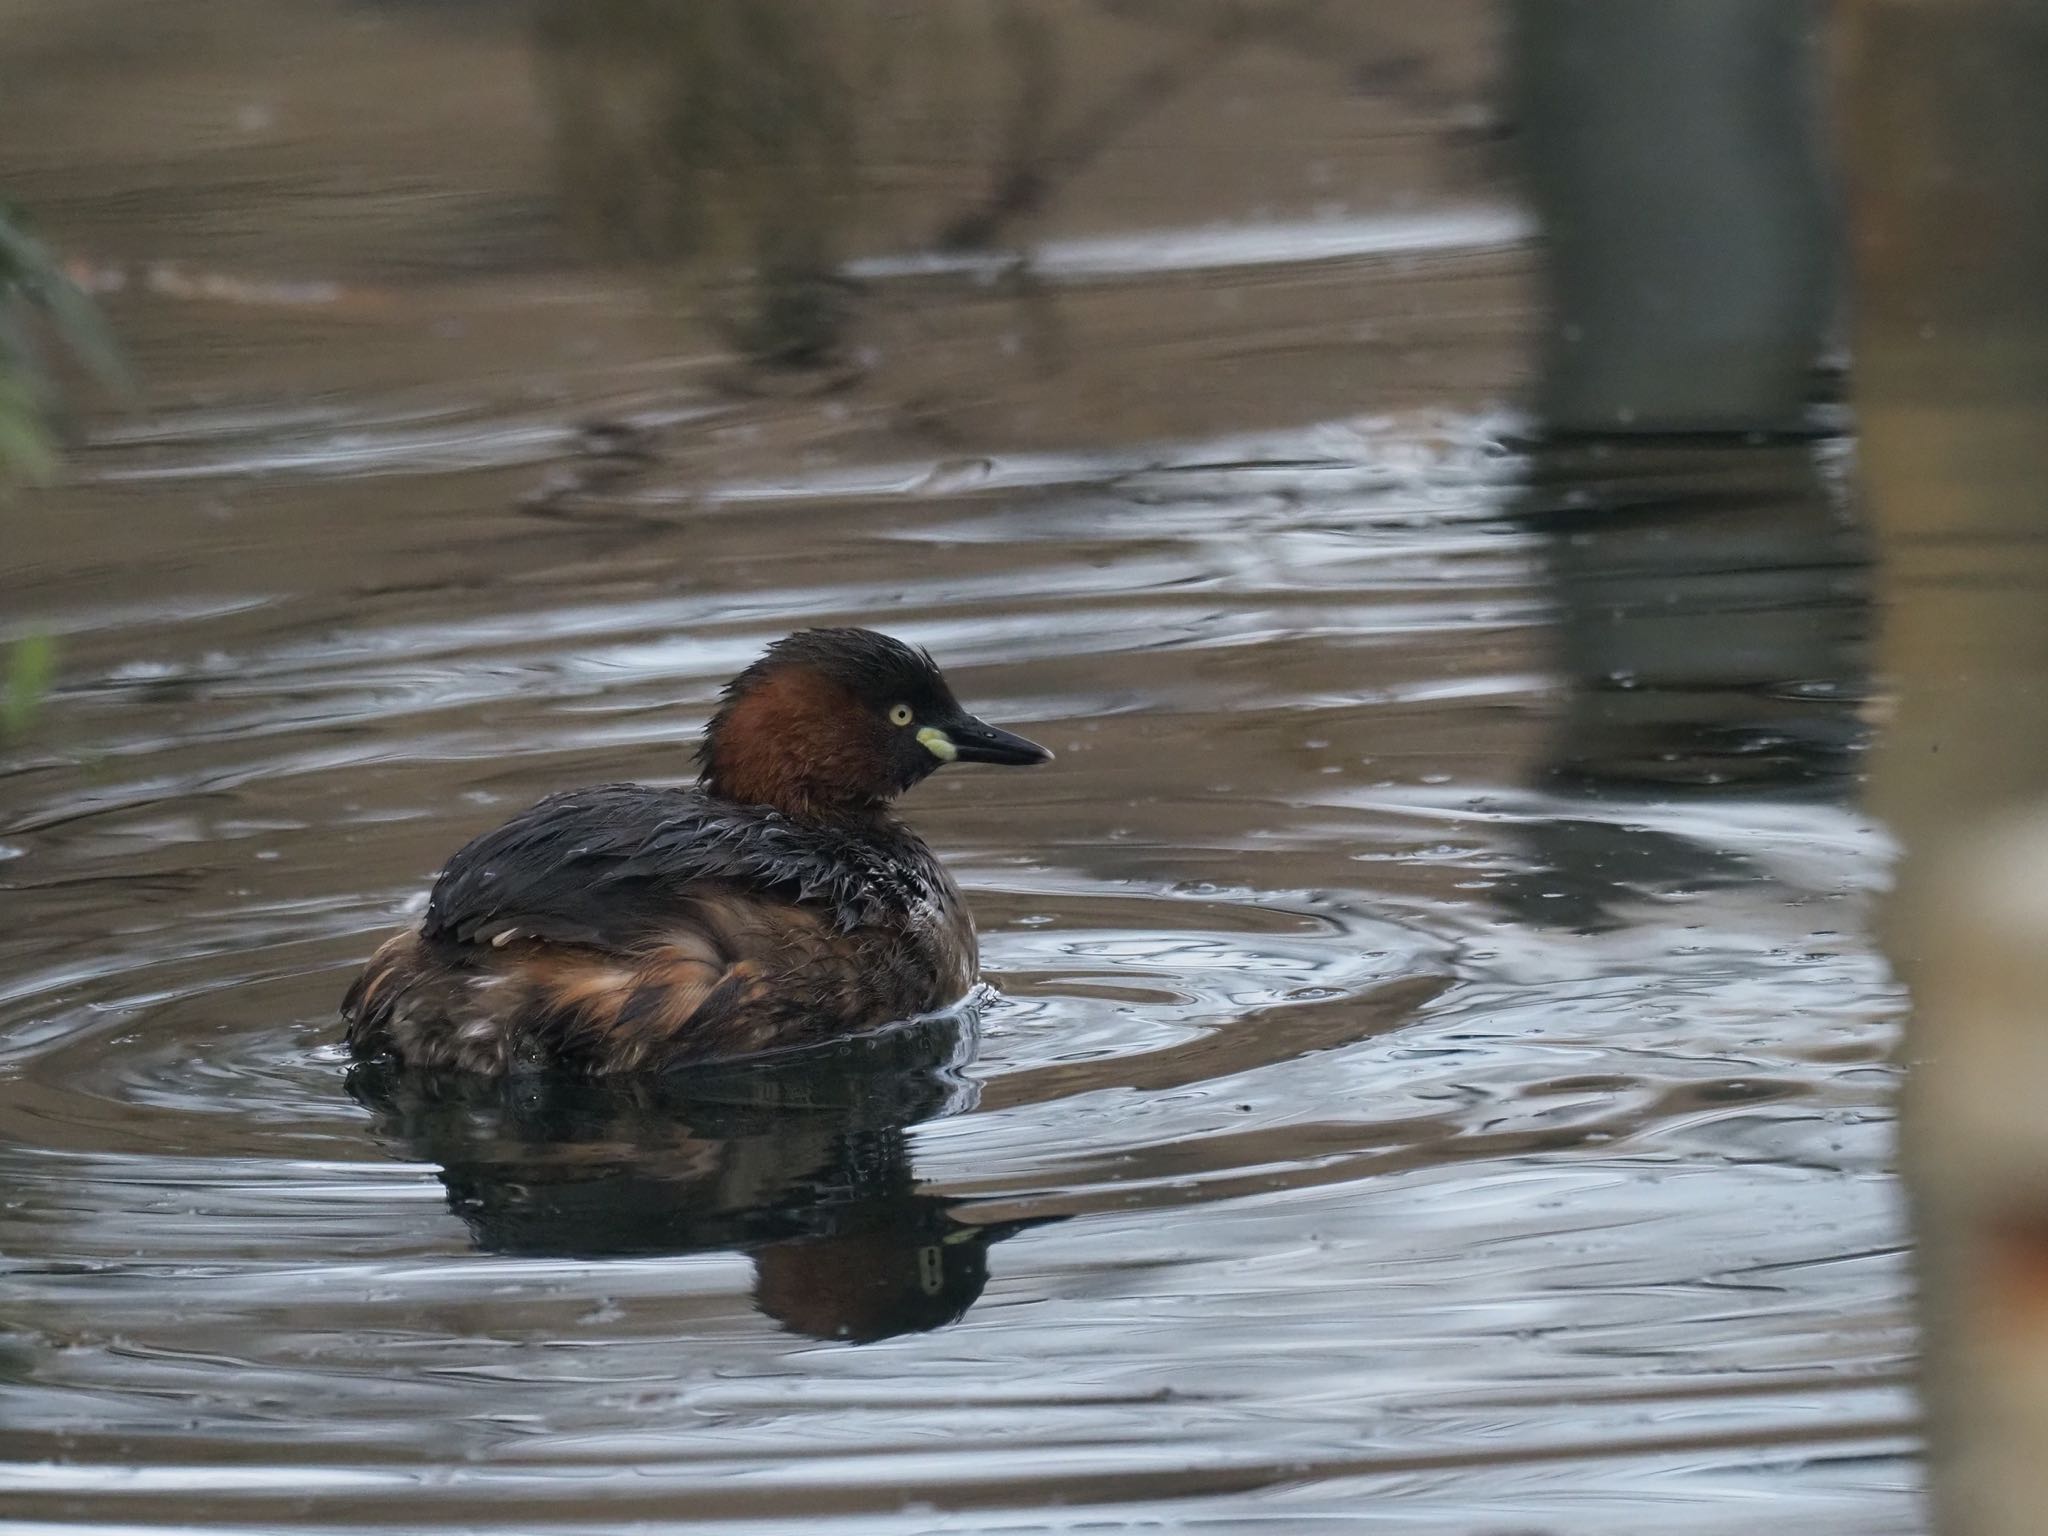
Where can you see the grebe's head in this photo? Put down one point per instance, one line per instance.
(835, 722)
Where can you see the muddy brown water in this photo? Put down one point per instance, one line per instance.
(1436, 1076)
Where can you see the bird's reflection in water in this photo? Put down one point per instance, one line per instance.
(800, 1161)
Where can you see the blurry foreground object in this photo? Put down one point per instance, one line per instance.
(1672, 151)
(1945, 110)
(41, 311)
(1977, 1142)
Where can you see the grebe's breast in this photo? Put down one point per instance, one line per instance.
(939, 928)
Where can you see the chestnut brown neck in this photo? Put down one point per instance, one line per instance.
(791, 742)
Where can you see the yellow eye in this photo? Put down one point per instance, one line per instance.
(900, 714)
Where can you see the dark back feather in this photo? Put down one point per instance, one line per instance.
(608, 864)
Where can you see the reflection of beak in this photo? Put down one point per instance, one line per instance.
(967, 740)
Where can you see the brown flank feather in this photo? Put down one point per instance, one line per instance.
(745, 976)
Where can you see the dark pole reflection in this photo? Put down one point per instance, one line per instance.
(1708, 574)
(1712, 617)
(802, 1162)
(1673, 154)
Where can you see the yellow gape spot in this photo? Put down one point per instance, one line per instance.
(938, 743)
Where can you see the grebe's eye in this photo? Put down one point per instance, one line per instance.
(901, 714)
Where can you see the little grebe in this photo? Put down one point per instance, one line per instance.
(777, 903)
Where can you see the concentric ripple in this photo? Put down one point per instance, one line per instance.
(1365, 1108)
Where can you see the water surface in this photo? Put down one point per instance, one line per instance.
(1437, 1072)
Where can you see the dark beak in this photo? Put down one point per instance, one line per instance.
(974, 742)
